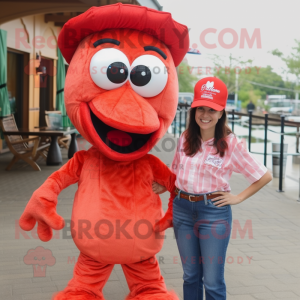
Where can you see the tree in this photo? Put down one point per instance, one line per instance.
(292, 61)
(248, 75)
(256, 85)
(185, 78)
(228, 68)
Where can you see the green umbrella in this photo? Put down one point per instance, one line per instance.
(60, 84)
(4, 100)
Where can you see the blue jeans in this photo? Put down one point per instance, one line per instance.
(202, 232)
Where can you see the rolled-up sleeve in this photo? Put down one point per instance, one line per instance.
(243, 162)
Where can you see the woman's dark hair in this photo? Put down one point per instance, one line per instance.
(192, 142)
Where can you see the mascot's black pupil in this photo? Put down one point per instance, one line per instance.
(117, 72)
(140, 75)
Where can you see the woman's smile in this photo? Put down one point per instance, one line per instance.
(205, 121)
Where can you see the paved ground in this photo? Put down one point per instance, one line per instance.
(265, 266)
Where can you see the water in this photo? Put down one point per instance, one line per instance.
(258, 137)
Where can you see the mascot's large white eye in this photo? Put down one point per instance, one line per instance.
(109, 68)
(148, 76)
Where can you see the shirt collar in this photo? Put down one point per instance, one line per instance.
(208, 141)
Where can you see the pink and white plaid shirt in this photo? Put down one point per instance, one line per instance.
(207, 172)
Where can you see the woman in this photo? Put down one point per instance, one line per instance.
(207, 154)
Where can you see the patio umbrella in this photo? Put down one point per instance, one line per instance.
(60, 84)
(4, 100)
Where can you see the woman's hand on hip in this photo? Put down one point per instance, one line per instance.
(226, 199)
(158, 188)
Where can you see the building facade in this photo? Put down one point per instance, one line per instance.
(32, 29)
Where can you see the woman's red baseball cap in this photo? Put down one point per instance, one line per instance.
(211, 92)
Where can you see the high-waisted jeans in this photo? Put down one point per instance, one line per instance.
(202, 232)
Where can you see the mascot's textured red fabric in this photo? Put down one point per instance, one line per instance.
(121, 94)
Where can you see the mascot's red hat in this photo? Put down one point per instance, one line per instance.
(155, 23)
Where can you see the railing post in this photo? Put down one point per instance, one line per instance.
(297, 151)
(174, 121)
(185, 116)
(299, 191)
(180, 115)
(281, 155)
(250, 128)
(266, 138)
(297, 140)
(232, 126)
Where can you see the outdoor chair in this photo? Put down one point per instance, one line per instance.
(54, 121)
(20, 148)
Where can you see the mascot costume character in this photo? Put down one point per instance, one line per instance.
(121, 94)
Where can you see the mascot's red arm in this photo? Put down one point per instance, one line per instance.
(165, 177)
(41, 207)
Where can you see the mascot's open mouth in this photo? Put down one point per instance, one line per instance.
(118, 140)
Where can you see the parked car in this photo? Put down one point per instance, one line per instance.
(280, 106)
(185, 98)
(293, 118)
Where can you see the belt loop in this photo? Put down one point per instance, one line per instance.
(179, 194)
(205, 199)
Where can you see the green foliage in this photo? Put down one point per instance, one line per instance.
(264, 76)
(185, 78)
(226, 70)
(292, 62)
(249, 78)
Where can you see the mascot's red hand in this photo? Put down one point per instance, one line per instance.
(163, 176)
(41, 208)
(167, 220)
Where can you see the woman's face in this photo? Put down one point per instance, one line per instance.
(207, 117)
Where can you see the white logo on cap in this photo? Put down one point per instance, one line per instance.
(209, 86)
(208, 90)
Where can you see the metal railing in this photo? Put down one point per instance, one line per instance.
(180, 121)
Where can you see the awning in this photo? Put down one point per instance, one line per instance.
(60, 84)
(4, 100)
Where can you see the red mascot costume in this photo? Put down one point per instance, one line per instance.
(121, 94)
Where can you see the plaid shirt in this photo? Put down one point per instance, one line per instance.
(206, 171)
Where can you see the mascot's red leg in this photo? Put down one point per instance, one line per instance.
(145, 281)
(89, 279)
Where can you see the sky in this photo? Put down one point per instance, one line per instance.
(277, 23)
